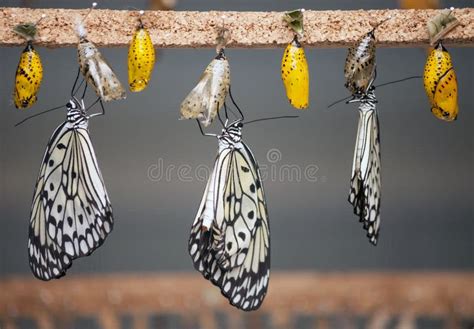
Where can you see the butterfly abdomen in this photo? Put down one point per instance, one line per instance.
(360, 65)
(141, 60)
(295, 75)
(29, 75)
(440, 84)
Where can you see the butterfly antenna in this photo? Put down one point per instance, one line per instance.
(378, 86)
(397, 81)
(339, 101)
(273, 118)
(37, 114)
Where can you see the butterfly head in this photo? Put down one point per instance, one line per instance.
(233, 132)
(76, 111)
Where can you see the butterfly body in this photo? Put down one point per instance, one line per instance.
(359, 68)
(95, 69)
(295, 75)
(440, 84)
(208, 96)
(29, 75)
(365, 184)
(71, 214)
(230, 237)
(141, 59)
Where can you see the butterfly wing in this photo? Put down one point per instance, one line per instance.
(71, 209)
(200, 237)
(237, 256)
(245, 272)
(365, 179)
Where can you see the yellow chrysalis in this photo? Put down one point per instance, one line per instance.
(295, 75)
(29, 72)
(141, 59)
(441, 85)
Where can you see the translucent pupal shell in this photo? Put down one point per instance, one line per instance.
(98, 73)
(441, 85)
(141, 59)
(28, 77)
(208, 96)
(359, 69)
(295, 75)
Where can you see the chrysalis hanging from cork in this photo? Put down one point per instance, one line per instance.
(95, 68)
(360, 65)
(141, 58)
(439, 77)
(29, 72)
(294, 67)
(208, 96)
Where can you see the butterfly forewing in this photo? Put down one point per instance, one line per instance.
(235, 255)
(365, 182)
(71, 212)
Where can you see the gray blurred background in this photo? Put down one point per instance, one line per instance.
(427, 165)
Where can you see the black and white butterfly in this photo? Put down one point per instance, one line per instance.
(365, 179)
(71, 214)
(230, 237)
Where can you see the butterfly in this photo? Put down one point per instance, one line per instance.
(360, 71)
(71, 214)
(230, 237)
(365, 178)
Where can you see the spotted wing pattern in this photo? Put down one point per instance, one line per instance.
(71, 213)
(234, 253)
(365, 180)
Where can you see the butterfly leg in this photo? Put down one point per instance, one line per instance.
(219, 114)
(202, 131)
(235, 104)
(84, 93)
(99, 100)
(372, 80)
(74, 90)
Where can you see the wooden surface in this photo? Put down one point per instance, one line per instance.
(375, 295)
(171, 29)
